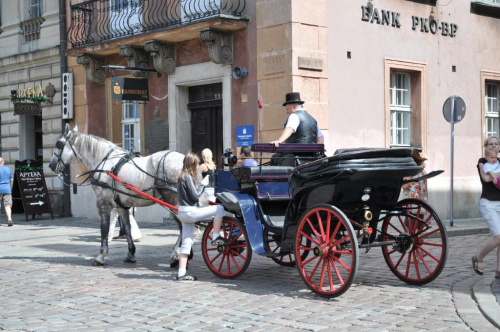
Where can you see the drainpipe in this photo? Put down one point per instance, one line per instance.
(64, 68)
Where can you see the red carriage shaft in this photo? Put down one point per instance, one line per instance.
(140, 192)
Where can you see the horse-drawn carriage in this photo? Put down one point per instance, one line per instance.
(316, 216)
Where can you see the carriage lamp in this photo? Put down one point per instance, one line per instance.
(228, 158)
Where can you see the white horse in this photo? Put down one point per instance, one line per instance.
(154, 174)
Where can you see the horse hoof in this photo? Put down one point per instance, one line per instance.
(96, 263)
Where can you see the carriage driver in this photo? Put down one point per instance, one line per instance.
(300, 126)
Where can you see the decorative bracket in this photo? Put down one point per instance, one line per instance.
(93, 67)
(163, 56)
(136, 57)
(220, 45)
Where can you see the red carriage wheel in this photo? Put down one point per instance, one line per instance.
(231, 260)
(420, 242)
(329, 262)
(272, 241)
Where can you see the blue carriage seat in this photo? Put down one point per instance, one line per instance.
(270, 182)
(268, 185)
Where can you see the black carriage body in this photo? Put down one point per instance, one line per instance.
(314, 215)
(355, 181)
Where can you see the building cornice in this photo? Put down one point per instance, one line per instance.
(38, 57)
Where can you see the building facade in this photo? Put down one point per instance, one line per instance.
(374, 73)
(186, 51)
(30, 67)
(392, 66)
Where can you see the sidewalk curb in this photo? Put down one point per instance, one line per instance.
(452, 231)
(486, 300)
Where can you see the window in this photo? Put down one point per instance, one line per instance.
(400, 91)
(31, 27)
(406, 103)
(36, 9)
(131, 126)
(490, 90)
(491, 108)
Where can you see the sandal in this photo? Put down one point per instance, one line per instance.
(475, 265)
(9, 223)
(186, 277)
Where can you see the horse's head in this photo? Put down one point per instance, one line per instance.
(64, 152)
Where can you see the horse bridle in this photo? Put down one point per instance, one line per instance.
(61, 165)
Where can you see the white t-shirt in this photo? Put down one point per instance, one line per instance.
(489, 167)
(294, 121)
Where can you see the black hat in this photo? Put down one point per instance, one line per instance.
(293, 98)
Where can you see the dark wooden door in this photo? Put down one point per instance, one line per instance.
(206, 131)
(205, 104)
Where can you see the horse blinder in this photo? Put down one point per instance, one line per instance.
(60, 145)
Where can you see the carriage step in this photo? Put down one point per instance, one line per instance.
(271, 254)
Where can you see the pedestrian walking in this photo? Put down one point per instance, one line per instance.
(6, 183)
(489, 205)
(134, 228)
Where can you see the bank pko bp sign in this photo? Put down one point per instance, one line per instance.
(244, 135)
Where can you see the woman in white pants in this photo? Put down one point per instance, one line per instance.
(134, 228)
(189, 189)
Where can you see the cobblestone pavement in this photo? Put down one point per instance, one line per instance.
(47, 283)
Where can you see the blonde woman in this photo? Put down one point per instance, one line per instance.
(489, 205)
(208, 167)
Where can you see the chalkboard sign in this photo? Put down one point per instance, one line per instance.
(32, 187)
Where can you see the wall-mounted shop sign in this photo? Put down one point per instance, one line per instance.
(30, 91)
(129, 89)
(244, 135)
(274, 64)
(424, 24)
(310, 63)
(27, 109)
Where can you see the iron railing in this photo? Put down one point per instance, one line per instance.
(97, 21)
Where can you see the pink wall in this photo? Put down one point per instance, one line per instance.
(356, 85)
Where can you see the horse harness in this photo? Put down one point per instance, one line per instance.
(123, 160)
